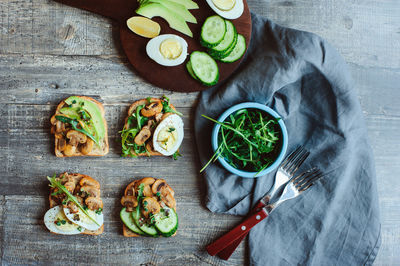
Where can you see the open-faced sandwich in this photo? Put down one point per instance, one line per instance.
(79, 128)
(152, 127)
(149, 209)
(75, 205)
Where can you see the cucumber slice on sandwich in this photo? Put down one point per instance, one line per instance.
(149, 230)
(166, 221)
(127, 219)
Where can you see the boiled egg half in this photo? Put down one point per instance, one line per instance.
(168, 135)
(167, 49)
(229, 9)
(83, 220)
(56, 221)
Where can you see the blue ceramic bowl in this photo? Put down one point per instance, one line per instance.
(250, 105)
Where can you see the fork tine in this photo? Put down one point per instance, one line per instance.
(291, 156)
(296, 164)
(308, 180)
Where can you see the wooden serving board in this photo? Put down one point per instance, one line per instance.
(170, 78)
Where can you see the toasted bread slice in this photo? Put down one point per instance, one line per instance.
(95, 151)
(54, 201)
(130, 190)
(131, 110)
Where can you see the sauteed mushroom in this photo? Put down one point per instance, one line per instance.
(88, 181)
(152, 109)
(129, 202)
(94, 203)
(87, 147)
(76, 137)
(69, 150)
(90, 191)
(150, 205)
(143, 135)
(61, 144)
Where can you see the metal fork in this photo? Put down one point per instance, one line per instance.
(292, 189)
(285, 172)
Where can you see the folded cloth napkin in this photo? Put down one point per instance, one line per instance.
(306, 81)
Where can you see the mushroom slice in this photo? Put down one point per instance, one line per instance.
(62, 144)
(130, 189)
(72, 207)
(69, 150)
(150, 205)
(88, 181)
(147, 191)
(152, 109)
(94, 203)
(91, 191)
(129, 201)
(158, 185)
(145, 181)
(167, 196)
(158, 117)
(143, 135)
(70, 186)
(76, 137)
(87, 147)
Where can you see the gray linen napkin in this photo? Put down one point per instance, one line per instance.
(305, 80)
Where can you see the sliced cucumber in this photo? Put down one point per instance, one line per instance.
(166, 224)
(217, 56)
(147, 229)
(228, 41)
(213, 31)
(190, 70)
(237, 52)
(127, 219)
(205, 68)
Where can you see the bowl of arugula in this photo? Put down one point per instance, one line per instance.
(249, 140)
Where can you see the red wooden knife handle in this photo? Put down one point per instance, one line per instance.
(237, 232)
(227, 252)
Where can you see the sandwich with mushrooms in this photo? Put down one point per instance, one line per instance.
(149, 209)
(79, 128)
(153, 127)
(76, 206)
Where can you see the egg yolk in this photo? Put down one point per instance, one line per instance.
(224, 5)
(167, 137)
(170, 49)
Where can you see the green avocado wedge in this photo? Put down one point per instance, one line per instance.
(175, 21)
(94, 111)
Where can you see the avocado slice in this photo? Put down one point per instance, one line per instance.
(175, 21)
(177, 8)
(71, 112)
(94, 111)
(189, 4)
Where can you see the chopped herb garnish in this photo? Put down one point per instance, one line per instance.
(74, 102)
(58, 223)
(63, 221)
(171, 129)
(85, 208)
(176, 155)
(145, 203)
(167, 107)
(98, 211)
(80, 229)
(148, 99)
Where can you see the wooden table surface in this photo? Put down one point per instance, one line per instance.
(49, 51)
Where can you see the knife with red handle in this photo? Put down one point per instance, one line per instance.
(227, 252)
(237, 233)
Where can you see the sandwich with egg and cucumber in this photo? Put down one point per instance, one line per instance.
(80, 128)
(153, 127)
(75, 205)
(149, 209)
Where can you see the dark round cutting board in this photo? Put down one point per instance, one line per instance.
(171, 78)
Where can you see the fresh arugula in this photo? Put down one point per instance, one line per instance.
(176, 155)
(54, 183)
(167, 107)
(74, 123)
(248, 140)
